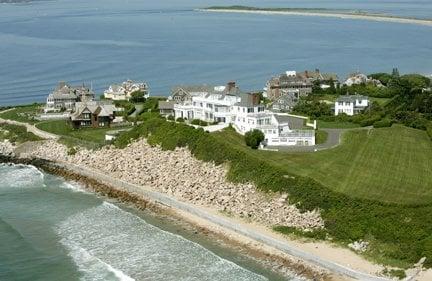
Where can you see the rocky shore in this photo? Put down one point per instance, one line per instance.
(7, 148)
(179, 174)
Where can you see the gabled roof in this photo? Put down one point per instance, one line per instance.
(94, 107)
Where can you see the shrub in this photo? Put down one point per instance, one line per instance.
(254, 138)
(171, 117)
(429, 129)
(383, 123)
(199, 122)
(319, 234)
(137, 96)
(71, 151)
(180, 120)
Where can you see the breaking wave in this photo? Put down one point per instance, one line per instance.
(108, 243)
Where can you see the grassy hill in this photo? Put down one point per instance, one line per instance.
(387, 164)
(351, 185)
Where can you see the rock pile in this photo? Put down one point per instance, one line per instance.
(359, 246)
(179, 174)
(7, 148)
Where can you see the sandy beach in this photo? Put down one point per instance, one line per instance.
(378, 18)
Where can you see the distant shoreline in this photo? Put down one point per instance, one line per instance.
(317, 13)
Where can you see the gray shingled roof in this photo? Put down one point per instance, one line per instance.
(351, 98)
(166, 104)
(293, 122)
(106, 108)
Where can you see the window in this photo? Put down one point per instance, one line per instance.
(250, 110)
(244, 110)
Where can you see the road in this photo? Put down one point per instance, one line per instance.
(30, 128)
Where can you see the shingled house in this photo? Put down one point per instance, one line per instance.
(64, 97)
(93, 114)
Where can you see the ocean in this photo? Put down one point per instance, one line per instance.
(52, 229)
(166, 43)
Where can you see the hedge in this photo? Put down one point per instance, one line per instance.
(399, 232)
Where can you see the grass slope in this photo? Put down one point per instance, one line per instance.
(87, 137)
(388, 164)
(399, 235)
(24, 114)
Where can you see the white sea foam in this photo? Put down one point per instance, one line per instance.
(20, 176)
(125, 242)
(92, 267)
(74, 186)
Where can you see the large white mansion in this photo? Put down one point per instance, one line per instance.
(227, 104)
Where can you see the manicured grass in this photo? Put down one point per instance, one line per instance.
(320, 136)
(380, 101)
(387, 164)
(81, 136)
(24, 114)
(336, 125)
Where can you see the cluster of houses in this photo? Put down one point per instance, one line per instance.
(79, 104)
(244, 111)
(125, 90)
(226, 105)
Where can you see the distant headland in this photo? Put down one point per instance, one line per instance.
(321, 12)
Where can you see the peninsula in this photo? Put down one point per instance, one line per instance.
(319, 12)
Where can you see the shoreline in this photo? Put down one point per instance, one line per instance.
(279, 263)
(376, 18)
(304, 258)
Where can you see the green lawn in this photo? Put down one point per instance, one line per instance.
(386, 164)
(16, 134)
(24, 114)
(88, 137)
(336, 125)
(320, 136)
(380, 101)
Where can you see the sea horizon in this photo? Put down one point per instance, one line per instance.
(168, 44)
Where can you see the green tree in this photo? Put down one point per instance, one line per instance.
(137, 96)
(253, 138)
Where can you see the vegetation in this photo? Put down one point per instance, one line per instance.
(373, 187)
(320, 137)
(319, 234)
(25, 113)
(87, 137)
(137, 97)
(254, 138)
(16, 134)
(336, 124)
(199, 122)
(128, 107)
(405, 99)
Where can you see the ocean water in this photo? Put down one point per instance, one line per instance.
(51, 229)
(101, 42)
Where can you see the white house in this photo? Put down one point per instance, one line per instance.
(245, 113)
(351, 104)
(125, 90)
(360, 78)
